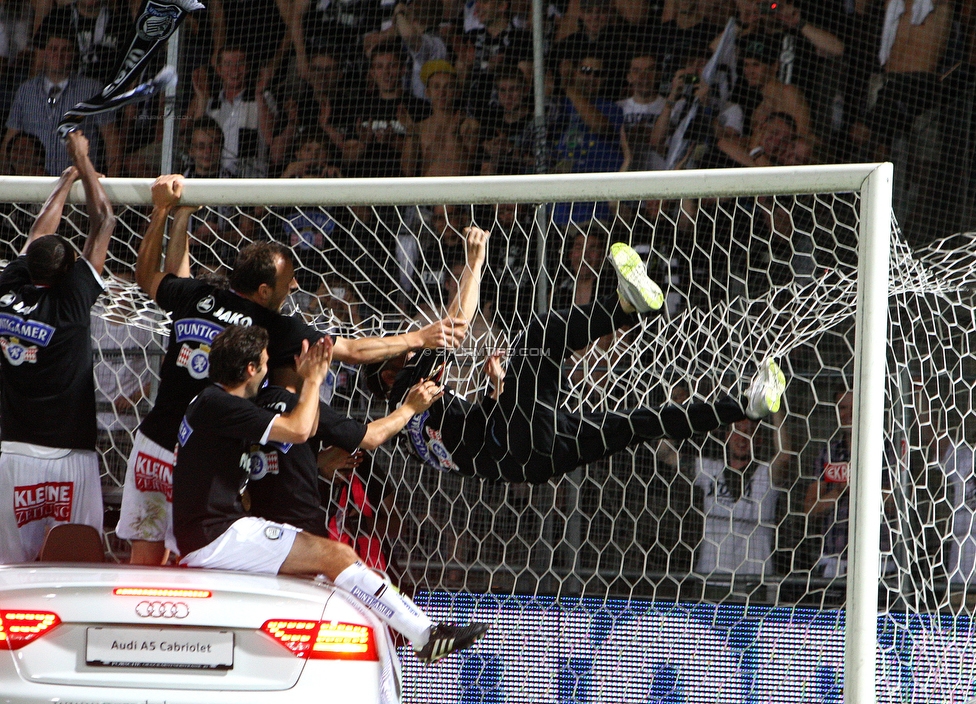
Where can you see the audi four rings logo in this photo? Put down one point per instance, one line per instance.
(162, 609)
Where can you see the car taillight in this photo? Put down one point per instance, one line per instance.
(324, 640)
(18, 628)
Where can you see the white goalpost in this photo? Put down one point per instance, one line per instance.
(793, 262)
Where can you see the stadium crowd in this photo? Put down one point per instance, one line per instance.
(381, 88)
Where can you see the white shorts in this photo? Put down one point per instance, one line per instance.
(36, 494)
(147, 495)
(249, 545)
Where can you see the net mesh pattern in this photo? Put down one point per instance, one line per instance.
(744, 279)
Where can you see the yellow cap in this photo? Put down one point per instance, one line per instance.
(436, 66)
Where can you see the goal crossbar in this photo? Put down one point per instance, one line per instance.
(472, 189)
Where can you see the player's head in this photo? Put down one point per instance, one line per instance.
(380, 376)
(265, 273)
(239, 355)
(49, 259)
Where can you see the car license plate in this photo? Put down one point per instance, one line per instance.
(182, 648)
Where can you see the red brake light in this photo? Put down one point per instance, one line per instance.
(171, 593)
(324, 640)
(18, 628)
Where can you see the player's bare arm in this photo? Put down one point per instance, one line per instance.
(465, 303)
(166, 193)
(101, 217)
(448, 332)
(419, 399)
(50, 217)
(297, 425)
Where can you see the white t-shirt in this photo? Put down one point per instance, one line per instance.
(957, 461)
(739, 536)
(642, 115)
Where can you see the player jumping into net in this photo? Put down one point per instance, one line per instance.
(519, 431)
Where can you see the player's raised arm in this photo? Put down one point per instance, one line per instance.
(465, 303)
(101, 217)
(166, 192)
(297, 425)
(49, 219)
(448, 332)
(418, 400)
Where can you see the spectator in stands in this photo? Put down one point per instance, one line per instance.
(100, 30)
(42, 101)
(956, 460)
(256, 26)
(596, 30)
(445, 143)
(913, 43)
(206, 150)
(384, 117)
(412, 24)
(579, 282)
(641, 109)
(715, 118)
(509, 146)
(24, 156)
(759, 68)
(242, 111)
(338, 27)
(741, 496)
(16, 27)
(827, 502)
(685, 31)
(322, 102)
(772, 144)
(588, 126)
(498, 43)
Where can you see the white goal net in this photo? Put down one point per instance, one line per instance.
(711, 570)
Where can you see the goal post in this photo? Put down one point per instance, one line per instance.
(534, 540)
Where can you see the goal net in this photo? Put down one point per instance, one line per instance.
(709, 570)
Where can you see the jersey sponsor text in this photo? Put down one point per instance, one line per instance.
(45, 500)
(152, 474)
(30, 330)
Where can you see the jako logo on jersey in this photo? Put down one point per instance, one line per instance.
(7, 298)
(837, 472)
(154, 475)
(205, 305)
(30, 330)
(46, 500)
(232, 318)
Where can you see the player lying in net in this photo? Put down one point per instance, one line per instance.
(519, 431)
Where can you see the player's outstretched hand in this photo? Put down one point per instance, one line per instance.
(167, 191)
(476, 243)
(334, 459)
(313, 363)
(70, 174)
(77, 146)
(496, 372)
(422, 396)
(447, 332)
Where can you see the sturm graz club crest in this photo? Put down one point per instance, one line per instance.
(157, 21)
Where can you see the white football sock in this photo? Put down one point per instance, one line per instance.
(383, 599)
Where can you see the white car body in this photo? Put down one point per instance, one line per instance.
(116, 634)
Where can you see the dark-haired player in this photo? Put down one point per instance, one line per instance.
(519, 431)
(263, 276)
(48, 464)
(214, 530)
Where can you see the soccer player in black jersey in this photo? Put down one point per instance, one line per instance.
(213, 469)
(519, 432)
(48, 464)
(262, 278)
